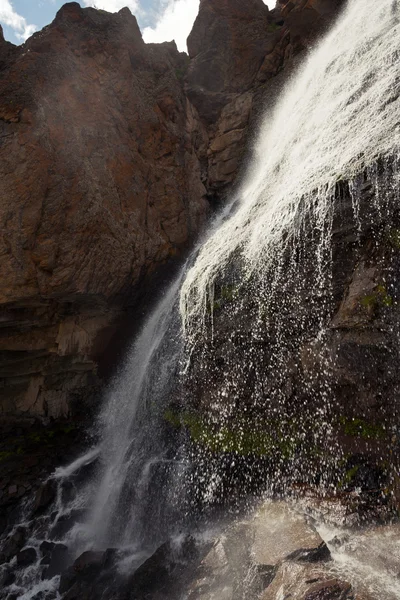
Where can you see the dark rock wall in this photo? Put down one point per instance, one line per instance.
(296, 376)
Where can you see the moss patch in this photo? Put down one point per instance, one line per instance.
(378, 298)
(43, 438)
(361, 428)
(238, 439)
(225, 295)
(393, 237)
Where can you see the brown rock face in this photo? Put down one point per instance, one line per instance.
(235, 49)
(109, 148)
(100, 184)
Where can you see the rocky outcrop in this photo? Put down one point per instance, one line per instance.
(100, 186)
(295, 377)
(273, 552)
(110, 149)
(236, 49)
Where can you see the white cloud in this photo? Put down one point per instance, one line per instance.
(12, 19)
(174, 23)
(113, 5)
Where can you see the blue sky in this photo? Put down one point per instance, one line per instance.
(160, 20)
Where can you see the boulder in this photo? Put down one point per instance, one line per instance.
(26, 557)
(281, 534)
(13, 544)
(46, 547)
(89, 560)
(306, 582)
(246, 558)
(45, 495)
(58, 560)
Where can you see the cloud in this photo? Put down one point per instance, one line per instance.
(113, 5)
(174, 23)
(12, 19)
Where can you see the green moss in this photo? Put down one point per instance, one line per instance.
(379, 297)
(361, 428)
(223, 296)
(6, 455)
(383, 296)
(238, 439)
(172, 418)
(393, 238)
(273, 27)
(348, 477)
(369, 301)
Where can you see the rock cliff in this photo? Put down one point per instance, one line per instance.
(111, 151)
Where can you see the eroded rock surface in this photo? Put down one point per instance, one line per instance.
(109, 150)
(236, 49)
(100, 186)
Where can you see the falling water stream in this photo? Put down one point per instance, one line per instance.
(337, 116)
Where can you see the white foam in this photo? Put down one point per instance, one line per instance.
(335, 117)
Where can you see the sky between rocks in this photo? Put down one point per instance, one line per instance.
(159, 20)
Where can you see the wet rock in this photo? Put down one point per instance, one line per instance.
(246, 558)
(110, 557)
(67, 581)
(167, 573)
(93, 575)
(280, 532)
(45, 596)
(45, 495)
(89, 560)
(330, 590)
(58, 561)
(306, 582)
(13, 544)
(26, 557)
(46, 547)
(64, 523)
(315, 555)
(7, 577)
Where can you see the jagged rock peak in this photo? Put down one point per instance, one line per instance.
(235, 8)
(219, 66)
(225, 14)
(73, 13)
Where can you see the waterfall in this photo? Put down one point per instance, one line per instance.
(211, 398)
(335, 117)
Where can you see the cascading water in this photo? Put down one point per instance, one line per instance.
(239, 388)
(338, 116)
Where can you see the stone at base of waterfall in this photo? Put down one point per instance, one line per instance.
(13, 544)
(92, 576)
(167, 574)
(26, 557)
(45, 495)
(56, 556)
(307, 582)
(279, 531)
(245, 559)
